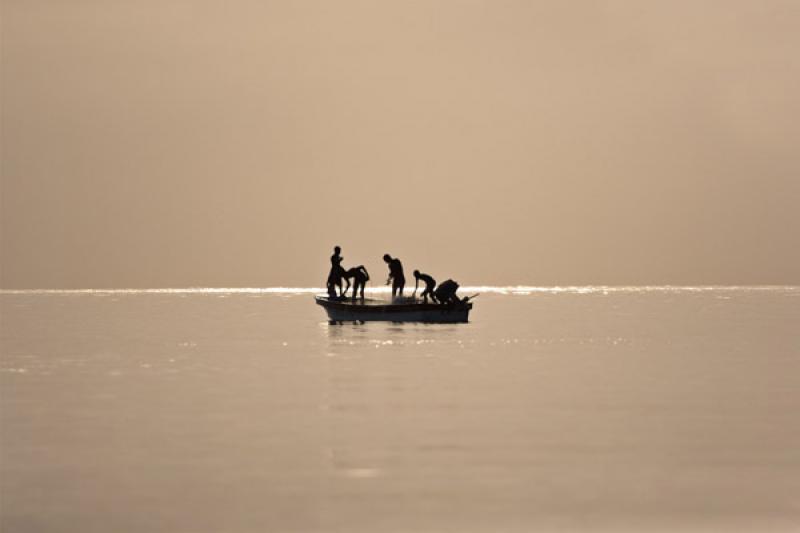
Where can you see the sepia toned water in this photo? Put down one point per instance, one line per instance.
(629, 409)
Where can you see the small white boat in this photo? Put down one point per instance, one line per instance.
(358, 310)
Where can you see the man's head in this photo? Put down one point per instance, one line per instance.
(387, 258)
(337, 249)
(416, 273)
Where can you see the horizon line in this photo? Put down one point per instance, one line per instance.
(497, 289)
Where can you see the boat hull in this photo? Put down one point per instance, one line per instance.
(349, 311)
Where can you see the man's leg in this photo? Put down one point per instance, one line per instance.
(343, 292)
(433, 296)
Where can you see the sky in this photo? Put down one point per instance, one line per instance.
(233, 143)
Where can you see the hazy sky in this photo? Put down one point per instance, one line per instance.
(233, 143)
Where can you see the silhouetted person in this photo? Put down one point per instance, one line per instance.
(446, 292)
(360, 277)
(430, 283)
(396, 277)
(335, 276)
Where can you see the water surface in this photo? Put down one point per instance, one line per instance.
(575, 409)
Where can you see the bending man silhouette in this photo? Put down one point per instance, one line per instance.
(396, 277)
(446, 293)
(430, 283)
(360, 278)
(335, 276)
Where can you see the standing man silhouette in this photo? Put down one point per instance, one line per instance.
(396, 277)
(335, 276)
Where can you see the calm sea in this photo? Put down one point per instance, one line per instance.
(587, 409)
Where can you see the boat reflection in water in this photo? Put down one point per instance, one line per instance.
(406, 310)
